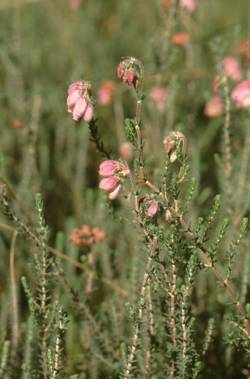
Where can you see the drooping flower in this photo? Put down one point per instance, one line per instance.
(109, 167)
(214, 107)
(169, 144)
(152, 209)
(232, 68)
(113, 195)
(172, 142)
(79, 101)
(241, 94)
(112, 172)
(190, 5)
(109, 184)
(106, 92)
(158, 95)
(129, 71)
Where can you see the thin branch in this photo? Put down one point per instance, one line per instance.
(15, 323)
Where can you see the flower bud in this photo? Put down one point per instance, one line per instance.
(168, 144)
(232, 68)
(113, 195)
(130, 71)
(241, 94)
(108, 168)
(152, 209)
(173, 142)
(109, 184)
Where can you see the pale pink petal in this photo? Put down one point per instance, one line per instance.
(121, 70)
(131, 76)
(88, 114)
(72, 100)
(169, 144)
(74, 86)
(108, 184)
(241, 94)
(113, 195)
(152, 209)
(79, 108)
(108, 167)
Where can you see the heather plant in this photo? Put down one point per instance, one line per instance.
(124, 190)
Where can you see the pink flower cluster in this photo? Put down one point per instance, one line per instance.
(241, 93)
(128, 71)
(86, 236)
(79, 102)
(112, 171)
(172, 142)
(153, 207)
